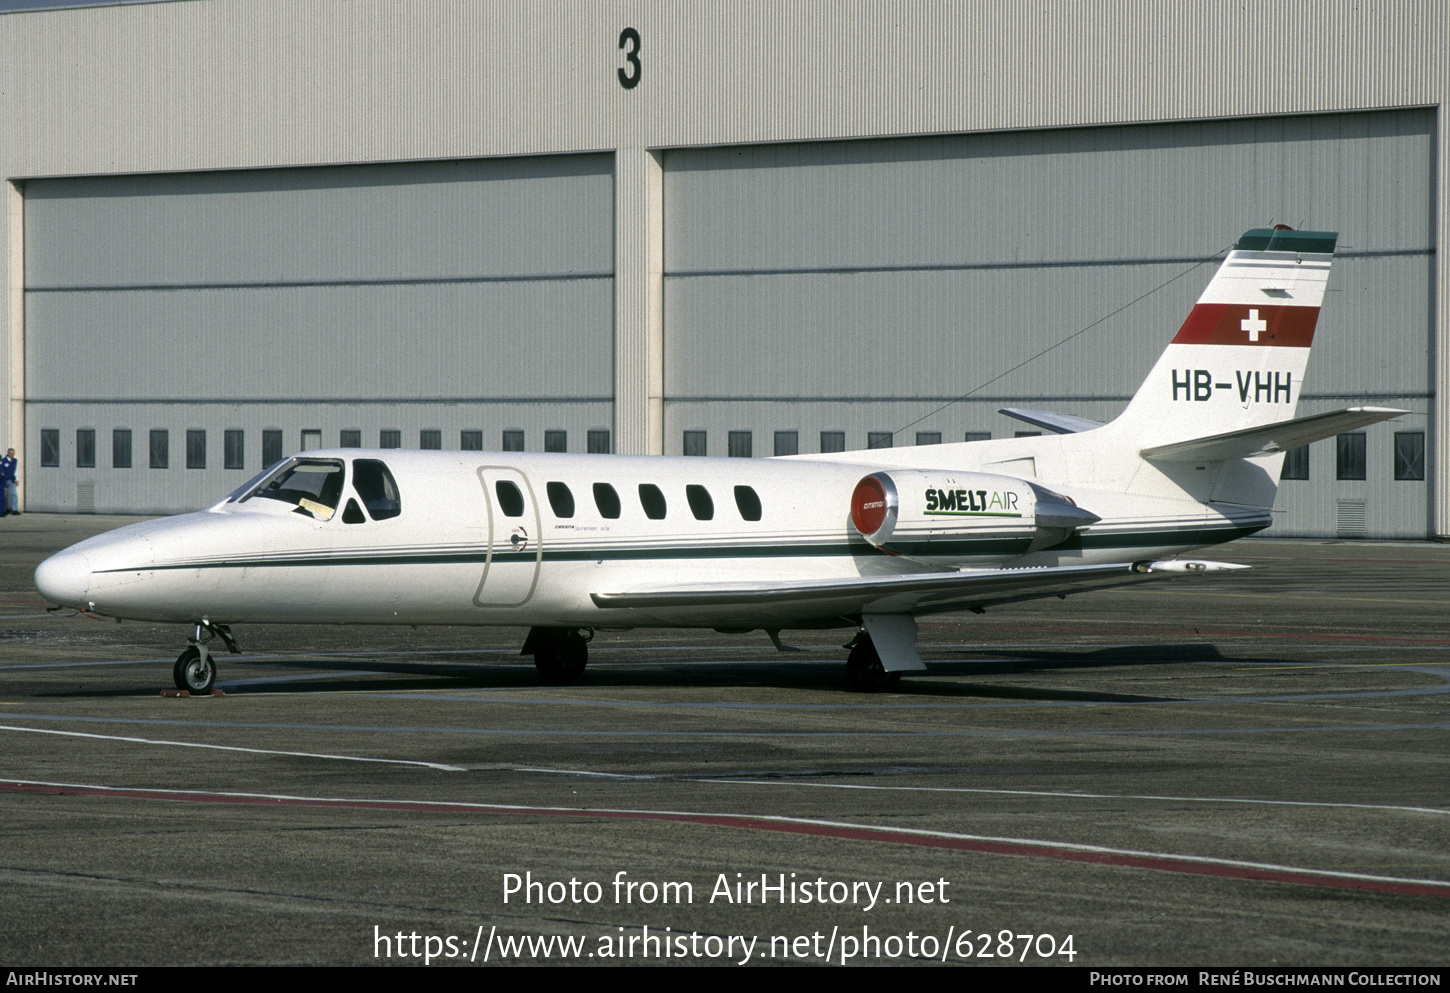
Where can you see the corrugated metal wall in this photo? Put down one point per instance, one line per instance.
(441, 296)
(250, 84)
(859, 286)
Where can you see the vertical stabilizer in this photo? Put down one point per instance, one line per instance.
(1238, 360)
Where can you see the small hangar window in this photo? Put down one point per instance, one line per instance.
(390, 438)
(740, 445)
(787, 443)
(694, 443)
(160, 449)
(833, 441)
(85, 448)
(598, 441)
(1410, 455)
(234, 449)
(50, 447)
(430, 440)
(878, 439)
(349, 438)
(1349, 461)
(271, 447)
(513, 440)
(470, 441)
(195, 448)
(121, 448)
(1296, 463)
(556, 441)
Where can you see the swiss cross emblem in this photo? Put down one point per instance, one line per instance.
(1253, 324)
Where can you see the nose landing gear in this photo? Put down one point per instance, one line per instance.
(195, 672)
(195, 669)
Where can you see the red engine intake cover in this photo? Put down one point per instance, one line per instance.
(868, 506)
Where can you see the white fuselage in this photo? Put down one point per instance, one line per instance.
(460, 550)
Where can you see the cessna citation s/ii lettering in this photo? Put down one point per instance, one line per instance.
(566, 544)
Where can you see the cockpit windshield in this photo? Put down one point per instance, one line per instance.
(245, 490)
(313, 486)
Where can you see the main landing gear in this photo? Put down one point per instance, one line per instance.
(885, 648)
(195, 669)
(560, 654)
(864, 668)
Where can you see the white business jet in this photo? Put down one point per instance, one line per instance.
(567, 544)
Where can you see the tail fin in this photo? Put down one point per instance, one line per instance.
(1239, 359)
(1225, 389)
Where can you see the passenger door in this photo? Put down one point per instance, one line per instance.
(515, 548)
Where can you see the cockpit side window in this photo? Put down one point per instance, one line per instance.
(313, 486)
(375, 485)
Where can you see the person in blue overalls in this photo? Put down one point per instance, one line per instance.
(9, 492)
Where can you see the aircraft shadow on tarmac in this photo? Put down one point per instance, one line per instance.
(300, 674)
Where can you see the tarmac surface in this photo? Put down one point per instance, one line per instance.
(1227, 771)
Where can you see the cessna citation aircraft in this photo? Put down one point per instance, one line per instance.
(871, 539)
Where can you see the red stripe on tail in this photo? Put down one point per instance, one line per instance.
(1240, 324)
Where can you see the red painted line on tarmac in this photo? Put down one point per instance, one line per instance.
(821, 829)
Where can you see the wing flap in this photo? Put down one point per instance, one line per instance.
(1271, 438)
(912, 593)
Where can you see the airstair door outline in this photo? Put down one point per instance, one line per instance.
(515, 546)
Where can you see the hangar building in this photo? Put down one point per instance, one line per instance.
(240, 228)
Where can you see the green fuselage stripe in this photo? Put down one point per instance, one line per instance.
(935, 547)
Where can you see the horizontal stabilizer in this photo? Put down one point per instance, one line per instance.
(1269, 439)
(914, 592)
(1058, 423)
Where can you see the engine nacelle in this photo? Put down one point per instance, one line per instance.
(961, 515)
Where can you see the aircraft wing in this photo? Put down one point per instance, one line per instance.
(913, 593)
(1270, 438)
(1057, 423)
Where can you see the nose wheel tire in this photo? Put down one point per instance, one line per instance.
(865, 671)
(194, 673)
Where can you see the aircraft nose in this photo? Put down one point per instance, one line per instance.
(65, 578)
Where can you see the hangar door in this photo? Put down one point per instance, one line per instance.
(845, 295)
(184, 329)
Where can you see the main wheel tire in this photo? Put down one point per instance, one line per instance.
(865, 671)
(562, 656)
(193, 674)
